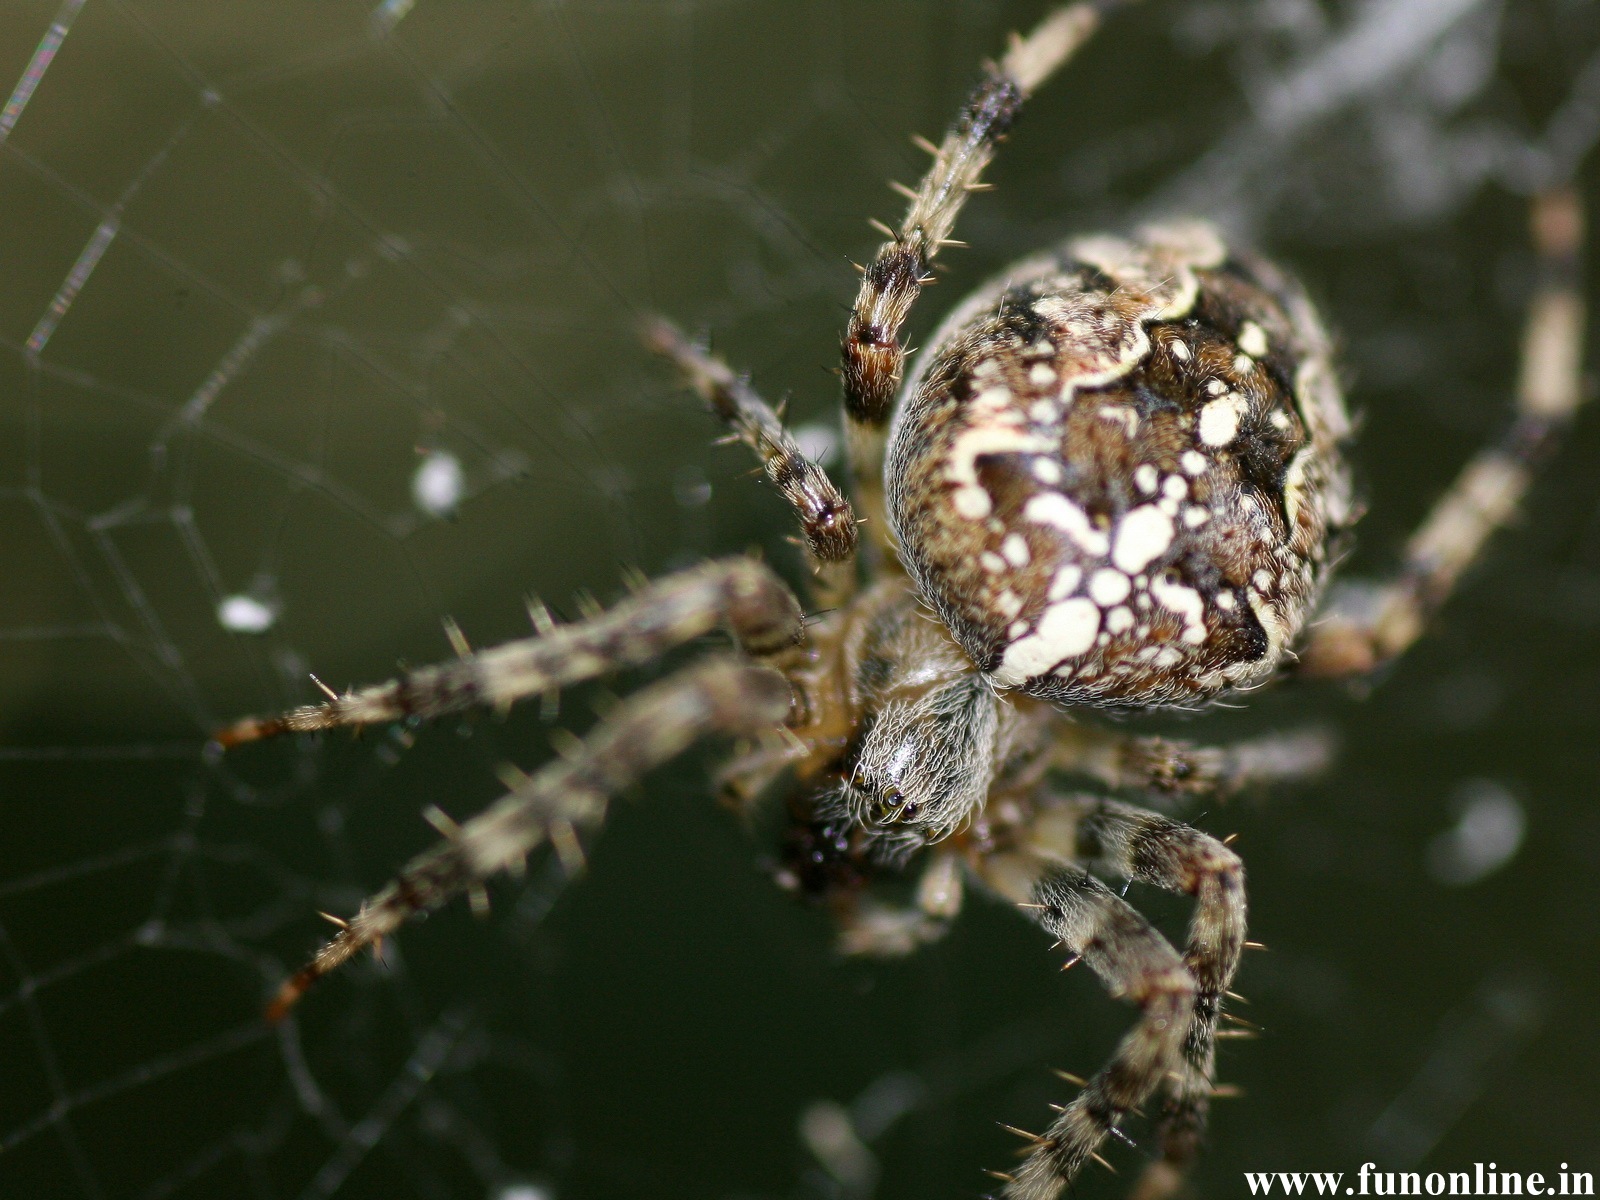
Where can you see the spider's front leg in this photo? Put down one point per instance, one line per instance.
(1366, 629)
(738, 592)
(1172, 1049)
(873, 355)
(827, 522)
(565, 798)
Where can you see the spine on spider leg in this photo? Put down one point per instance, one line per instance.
(738, 592)
(720, 695)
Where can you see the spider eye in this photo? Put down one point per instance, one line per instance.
(892, 804)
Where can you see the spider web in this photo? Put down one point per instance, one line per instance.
(316, 328)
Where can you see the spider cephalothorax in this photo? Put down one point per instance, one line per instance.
(1112, 481)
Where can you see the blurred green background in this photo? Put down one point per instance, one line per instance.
(344, 244)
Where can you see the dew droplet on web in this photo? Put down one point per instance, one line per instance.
(818, 441)
(1489, 828)
(438, 484)
(244, 613)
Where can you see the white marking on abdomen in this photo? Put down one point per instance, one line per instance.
(1052, 508)
(1219, 420)
(1066, 630)
(1144, 534)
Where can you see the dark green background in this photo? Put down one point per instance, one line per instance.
(487, 201)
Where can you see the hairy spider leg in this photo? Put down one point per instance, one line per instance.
(873, 355)
(1172, 1049)
(1134, 962)
(827, 522)
(1357, 638)
(567, 796)
(740, 593)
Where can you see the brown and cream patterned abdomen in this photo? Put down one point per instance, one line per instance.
(1114, 473)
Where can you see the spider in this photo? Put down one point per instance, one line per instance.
(1114, 481)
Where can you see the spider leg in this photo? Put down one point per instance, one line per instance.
(1135, 963)
(719, 695)
(873, 356)
(1367, 631)
(739, 592)
(1183, 769)
(1129, 842)
(827, 522)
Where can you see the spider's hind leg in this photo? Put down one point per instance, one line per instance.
(1366, 629)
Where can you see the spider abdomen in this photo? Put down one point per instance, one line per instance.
(1115, 472)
